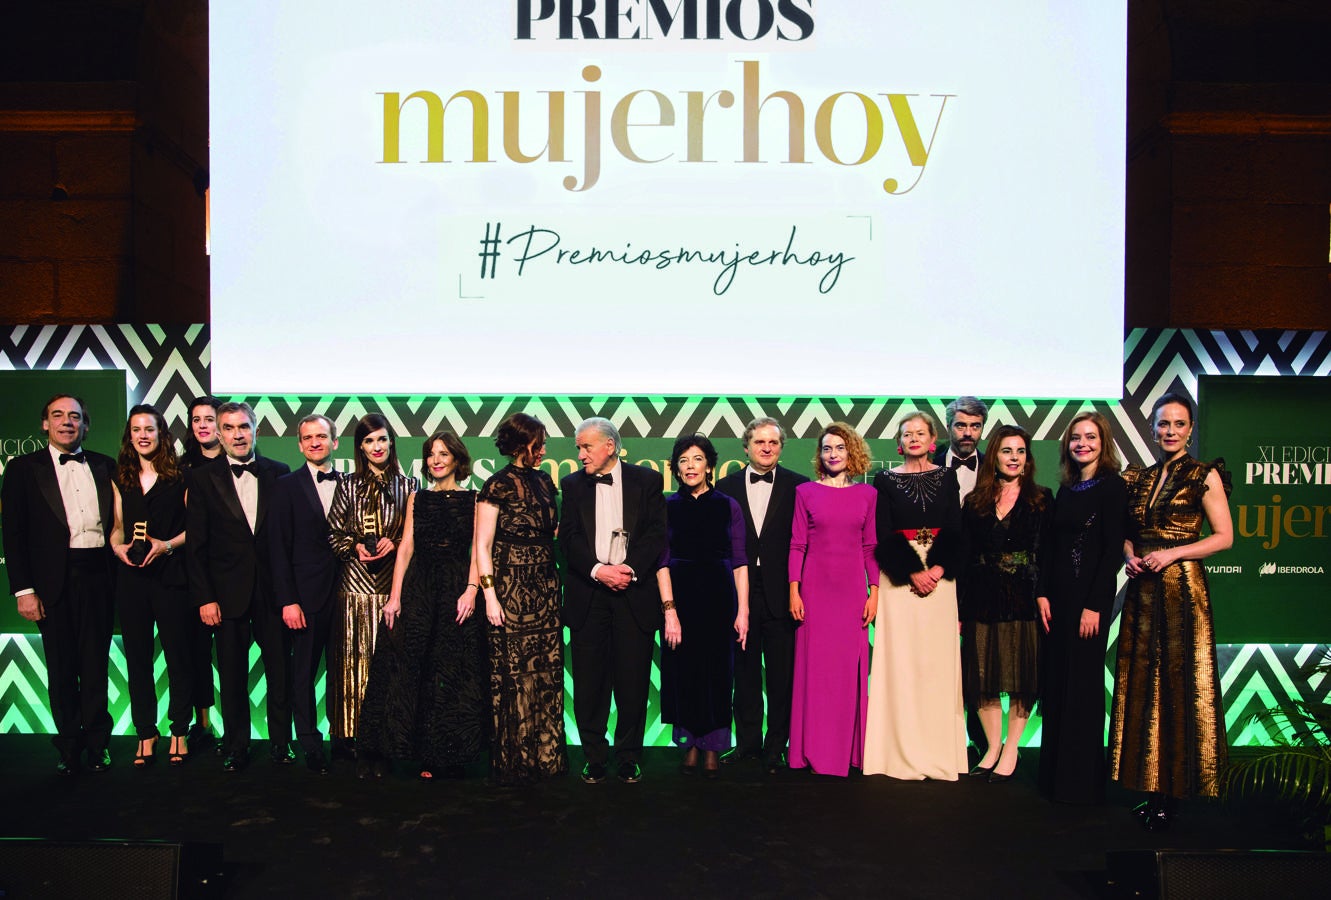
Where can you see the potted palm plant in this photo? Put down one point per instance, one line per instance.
(1296, 768)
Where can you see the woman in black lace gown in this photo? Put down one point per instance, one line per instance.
(1006, 523)
(427, 697)
(516, 521)
(1086, 552)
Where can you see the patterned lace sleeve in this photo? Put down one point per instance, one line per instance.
(498, 489)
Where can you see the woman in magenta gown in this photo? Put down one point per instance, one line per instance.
(834, 596)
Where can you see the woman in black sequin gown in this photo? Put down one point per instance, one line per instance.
(427, 697)
(516, 521)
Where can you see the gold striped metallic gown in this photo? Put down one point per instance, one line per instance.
(1167, 733)
(362, 589)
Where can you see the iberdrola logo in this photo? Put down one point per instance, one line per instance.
(1267, 568)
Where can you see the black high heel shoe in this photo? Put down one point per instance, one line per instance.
(985, 771)
(996, 778)
(179, 754)
(143, 759)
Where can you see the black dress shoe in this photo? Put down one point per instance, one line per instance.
(316, 762)
(364, 768)
(99, 760)
(630, 772)
(593, 773)
(282, 754)
(68, 765)
(736, 755)
(235, 760)
(774, 765)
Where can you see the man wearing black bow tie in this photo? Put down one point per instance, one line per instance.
(58, 505)
(229, 574)
(612, 532)
(765, 492)
(965, 425)
(305, 573)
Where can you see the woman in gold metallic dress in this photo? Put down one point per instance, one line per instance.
(1168, 730)
(364, 527)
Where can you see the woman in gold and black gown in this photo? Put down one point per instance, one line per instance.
(1167, 732)
(371, 504)
(516, 521)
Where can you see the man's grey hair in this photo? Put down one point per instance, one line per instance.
(242, 407)
(971, 406)
(763, 422)
(604, 427)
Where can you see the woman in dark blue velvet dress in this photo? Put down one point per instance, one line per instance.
(705, 595)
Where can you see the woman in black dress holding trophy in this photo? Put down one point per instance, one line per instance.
(364, 526)
(151, 585)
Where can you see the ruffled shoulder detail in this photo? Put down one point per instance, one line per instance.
(1226, 477)
(1134, 473)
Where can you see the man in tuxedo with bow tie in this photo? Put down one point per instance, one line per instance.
(305, 573)
(58, 510)
(765, 491)
(230, 576)
(965, 425)
(612, 532)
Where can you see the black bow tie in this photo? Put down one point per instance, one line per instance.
(326, 476)
(239, 470)
(754, 477)
(75, 457)
(968, 462)
(602, 479)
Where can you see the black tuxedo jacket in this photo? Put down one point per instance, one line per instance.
(36, 532)
(645, 521)
(304, 566)
(228, 565)
(773, 545)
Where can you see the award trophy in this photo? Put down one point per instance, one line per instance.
(619, 546)
(369, 523)
(139, 544)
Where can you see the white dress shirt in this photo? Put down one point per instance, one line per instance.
(78, 491)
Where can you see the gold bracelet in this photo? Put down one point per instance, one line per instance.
(487, 581)
(667, 605)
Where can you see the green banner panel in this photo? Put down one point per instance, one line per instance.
(1272, 586)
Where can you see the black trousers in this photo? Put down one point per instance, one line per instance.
(611, 655)
(201, 663)
(143, 601)
(771, 647)
(234, 636)
(307, 648)
(76, 641)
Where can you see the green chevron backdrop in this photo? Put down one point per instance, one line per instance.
(167, 365)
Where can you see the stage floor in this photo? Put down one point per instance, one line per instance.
(286, 832)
